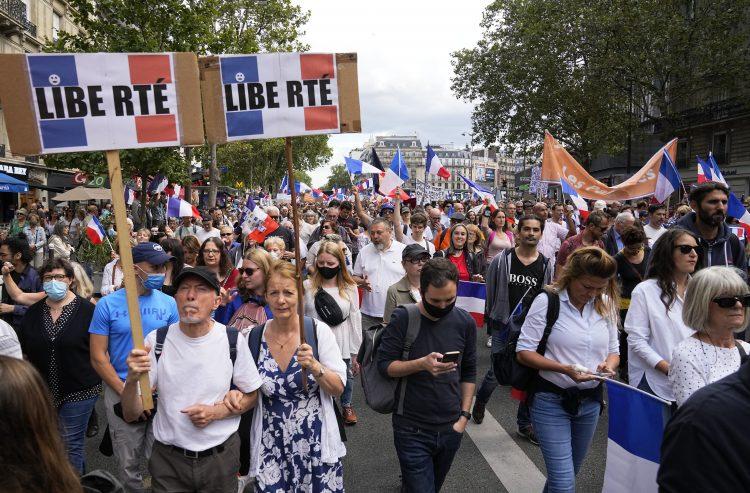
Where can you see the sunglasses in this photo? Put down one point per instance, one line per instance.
(226, 234)
(686, 249)
(247, 270)
(731, 301)
(419, 260)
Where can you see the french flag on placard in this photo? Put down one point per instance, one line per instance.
(704, 171)
(472, 296)
(357, 167)
(668, 180)
(636, 426)
(258, 225)
(158, 184)
(129, 195)
(95, 231)
(580, 203)
(737, 210)
(434, 166)
(395, 175)
(181, 208)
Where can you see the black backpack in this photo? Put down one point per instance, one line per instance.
(508, 371)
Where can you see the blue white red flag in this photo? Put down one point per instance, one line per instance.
(715, 171)
(298, 185)
(357, 167)
(318, 194)
(158, 184)
(737, 210)
(95, 231)
(472, 296)
(636, 426)
(668, 180)
(480, 192)
(434, 166)
(366, 184)
(129, 195)
(704, 171)
(580, 202)
(396, 174)
(258, 225)
(181, 208)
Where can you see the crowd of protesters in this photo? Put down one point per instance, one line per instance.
(242, 400)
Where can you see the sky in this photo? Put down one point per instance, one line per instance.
(404, 65)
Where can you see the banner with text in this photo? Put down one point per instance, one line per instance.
(279, 95)
(428, 193)
(100, 101)
(557, 162)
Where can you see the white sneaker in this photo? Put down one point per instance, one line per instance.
(489, 341)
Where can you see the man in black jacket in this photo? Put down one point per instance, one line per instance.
(612, 240)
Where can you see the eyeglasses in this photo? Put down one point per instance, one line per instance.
(227, 234)
(249, 271)
(686, 249)
(275, 218)
(731, 301)
(420, 260)
(56, 277)
(212, 252)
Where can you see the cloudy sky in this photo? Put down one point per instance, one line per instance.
(403, 49)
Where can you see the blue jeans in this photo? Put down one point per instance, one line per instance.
(74, 418)
(425, 457)
(346, 396)
(563, 438)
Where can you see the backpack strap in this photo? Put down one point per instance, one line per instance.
(232, 334)
(253, 341)
(311, 335)
(161, 336)
(743, 353)
(553, 311)
(412, 331)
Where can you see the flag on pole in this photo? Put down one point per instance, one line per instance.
(158, 184)
(668, 180)
(480, 192)
(258, 225)
(737, 210)
(366, 184)
(95, 231)
(318, 194)
(434, 166)
(715, 171)
(471, 296)
(578, 201)
(636, 426)
(181, 208)
(704, 171)
(298, 185)
(357, 167)
(395, 175)
(174, 190)
(129, 195)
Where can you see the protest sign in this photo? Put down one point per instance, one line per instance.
(100, 101)
(428, 193)
(279, 95)
(557, 163)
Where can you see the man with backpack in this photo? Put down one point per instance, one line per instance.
(436, 375)
(514, 277)
(192, 364)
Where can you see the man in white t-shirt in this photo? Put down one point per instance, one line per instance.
(207, 231)
(196, 445)
(657, 215)
(378, 266)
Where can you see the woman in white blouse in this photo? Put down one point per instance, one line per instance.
(337, 283)
(566, 401)
(716, 306)
(654, 321)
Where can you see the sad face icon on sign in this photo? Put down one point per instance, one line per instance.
(54, 79)
(239, 77)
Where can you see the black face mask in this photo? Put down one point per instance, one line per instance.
(437, 312)
(329, 272)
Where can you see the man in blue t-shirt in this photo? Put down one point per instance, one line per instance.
(111, 343)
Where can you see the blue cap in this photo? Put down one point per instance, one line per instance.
(152, 253)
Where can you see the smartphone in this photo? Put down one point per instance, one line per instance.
(487, 213)
(451, 357)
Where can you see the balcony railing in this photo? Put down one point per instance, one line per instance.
(15, 10)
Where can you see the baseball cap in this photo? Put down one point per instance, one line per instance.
(386, 207)
(200, 271)
(21, 211)
(458, 216)
(150, 252)
(414, 251)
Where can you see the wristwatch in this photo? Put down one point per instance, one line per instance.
(466, 414)
(321, 372)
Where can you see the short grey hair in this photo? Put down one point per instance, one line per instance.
(381, 220)
(624, 216)
(271, 208)
(706, 285)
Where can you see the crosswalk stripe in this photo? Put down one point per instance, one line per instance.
(508, 461)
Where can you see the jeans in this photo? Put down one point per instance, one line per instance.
(425, 456)
(563, 438)
(74, 418)
(346, 396)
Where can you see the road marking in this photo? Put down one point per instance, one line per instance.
(508, 461)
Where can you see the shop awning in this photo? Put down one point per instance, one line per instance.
(12, 185)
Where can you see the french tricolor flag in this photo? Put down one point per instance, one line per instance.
(737, 210)
(704, 171)
(472, 296)
(668, 180)
(258, 225)
(129, 195)
(95, 231)
(395, 175)
(580, 203)
(636, 425)
(181, 208)
(715, 171)
(481, 192)
(158, 184)
(318, 194)
(434, 166)
(357, 167)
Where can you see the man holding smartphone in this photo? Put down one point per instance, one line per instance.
(439, 377)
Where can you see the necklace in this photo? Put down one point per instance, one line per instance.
(275, 341)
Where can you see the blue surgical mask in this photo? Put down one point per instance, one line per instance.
(56, 290)
(154, 281)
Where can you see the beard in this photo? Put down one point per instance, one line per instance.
(711, 219)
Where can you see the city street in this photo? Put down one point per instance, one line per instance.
(492, 456)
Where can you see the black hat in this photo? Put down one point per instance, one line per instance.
(200, 271)
(414, 251)
(458, 216)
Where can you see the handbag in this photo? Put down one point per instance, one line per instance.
(328, 309)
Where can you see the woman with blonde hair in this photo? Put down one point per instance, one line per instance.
(566, 399)
(247, 308)
(716, 307)
(331, 296)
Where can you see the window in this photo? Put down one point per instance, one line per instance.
(56, 20)
(26, 8)
(720, 147)
(682, 154)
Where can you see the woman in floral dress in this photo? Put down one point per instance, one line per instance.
(295, 439)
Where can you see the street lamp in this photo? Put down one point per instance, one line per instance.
(471, 149)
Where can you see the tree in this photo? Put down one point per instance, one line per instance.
(570, 67)
(339, 177)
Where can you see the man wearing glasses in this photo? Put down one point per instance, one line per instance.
(332, 214)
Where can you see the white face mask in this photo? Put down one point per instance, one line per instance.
(275, 255)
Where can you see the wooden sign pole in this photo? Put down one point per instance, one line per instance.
(126, 258)
(297, 260)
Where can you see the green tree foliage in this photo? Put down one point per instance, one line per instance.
(570, 67)
(339, 177)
